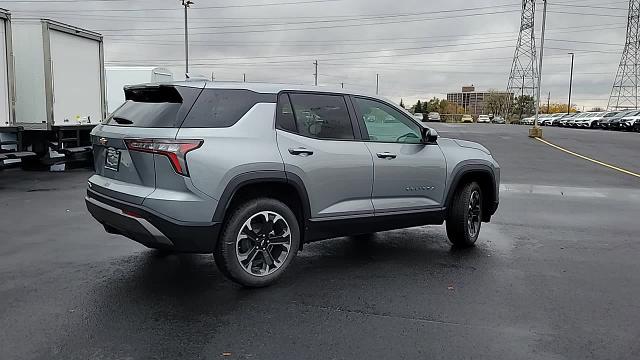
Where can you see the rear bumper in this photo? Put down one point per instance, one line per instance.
(149, 228)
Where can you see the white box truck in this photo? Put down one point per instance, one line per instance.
(8, 132)
(60, 85)
(6, 70)
(120, 76)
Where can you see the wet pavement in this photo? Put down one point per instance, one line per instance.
(555, 275)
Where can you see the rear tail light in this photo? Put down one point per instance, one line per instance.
(175, 150)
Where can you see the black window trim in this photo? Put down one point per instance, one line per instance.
(265, 95)
(279, 115)
(355, 127)
(363, 126)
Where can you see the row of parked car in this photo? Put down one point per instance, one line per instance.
(626, 120)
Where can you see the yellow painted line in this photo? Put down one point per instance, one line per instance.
(590, 159)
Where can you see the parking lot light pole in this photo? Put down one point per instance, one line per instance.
(570, 84)
(536, 131)
(186, 4)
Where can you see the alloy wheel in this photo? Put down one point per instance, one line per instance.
(263, 243)
(473, 214)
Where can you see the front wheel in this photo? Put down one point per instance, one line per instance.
(258, 242)
(464, 216)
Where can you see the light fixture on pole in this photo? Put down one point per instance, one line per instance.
(570, 84)
(536, 131)
(187, 4)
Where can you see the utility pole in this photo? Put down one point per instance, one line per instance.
(549, 102)
(342, 85)
(536, 131)
(244, 77)
(187, 4)
(315, 74)
(377, 83)
(570, 84)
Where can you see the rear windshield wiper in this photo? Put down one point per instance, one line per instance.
(122, 121)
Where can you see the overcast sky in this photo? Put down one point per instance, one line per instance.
(420, 48)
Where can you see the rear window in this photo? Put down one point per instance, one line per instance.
(154, 106)
(219, 108)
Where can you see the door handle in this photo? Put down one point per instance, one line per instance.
(386, 155)
(300, 151)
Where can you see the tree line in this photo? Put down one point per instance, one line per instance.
(495, 103)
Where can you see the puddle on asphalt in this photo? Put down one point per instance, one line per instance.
(497, 241)
(628, 194)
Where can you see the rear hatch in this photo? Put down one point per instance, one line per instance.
(149, 112)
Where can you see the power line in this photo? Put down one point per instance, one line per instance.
(587, 6)
(353, 58)
(361, 40)
(586, 14)
(62, 1)
(173, 9)
(323, 27)
(350, 52)
(353, 18)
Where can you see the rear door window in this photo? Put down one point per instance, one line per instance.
(154, 106)
(220, 108)
(322, 116)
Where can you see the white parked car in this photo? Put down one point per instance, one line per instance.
(484, 119)
(628, 122)
(591, 121)
(575, 122)
(418, 116)
(553, 119)
(542, 119)
(466, 118)
(433, 116)
(528, 120)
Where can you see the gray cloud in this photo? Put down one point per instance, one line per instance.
(420, 48)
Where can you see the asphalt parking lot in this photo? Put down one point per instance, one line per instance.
(555, 275)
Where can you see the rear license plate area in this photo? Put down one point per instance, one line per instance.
(112, 159)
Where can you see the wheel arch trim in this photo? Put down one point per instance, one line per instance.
(257, 177)
(466, 167)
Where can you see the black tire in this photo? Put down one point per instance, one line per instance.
(459, 230)
(227, 251)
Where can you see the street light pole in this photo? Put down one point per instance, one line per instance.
(186, 4)
(377, 83)
(315, 74)
(570, 84)
(536, 131)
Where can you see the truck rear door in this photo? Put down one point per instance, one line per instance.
(76, 70)
(4, 77)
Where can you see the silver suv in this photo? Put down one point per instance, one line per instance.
(251, 172)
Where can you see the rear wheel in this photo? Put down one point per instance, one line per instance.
(464, 216)
(258, 242)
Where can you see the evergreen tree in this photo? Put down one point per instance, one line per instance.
(418, 107)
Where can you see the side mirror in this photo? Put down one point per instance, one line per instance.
(429, 136)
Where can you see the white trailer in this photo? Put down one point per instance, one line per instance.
(120, 76)
(60, 85)
(6, 71)
(8, 131)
